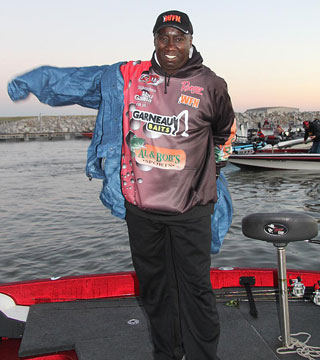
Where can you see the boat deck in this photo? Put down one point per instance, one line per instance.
(118, 329)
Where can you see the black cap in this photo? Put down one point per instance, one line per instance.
(175, 19)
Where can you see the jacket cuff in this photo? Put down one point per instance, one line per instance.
(16, 92)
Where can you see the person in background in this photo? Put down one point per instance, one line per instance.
(163, 132)
(266, 123)
(260, 135)
(312, 131)
(279, 132)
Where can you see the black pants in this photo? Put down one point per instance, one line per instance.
(172, 262)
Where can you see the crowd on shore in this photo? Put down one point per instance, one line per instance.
(79, 124)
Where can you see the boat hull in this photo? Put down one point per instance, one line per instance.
(122, 284)
(278, 160)
(64, 291)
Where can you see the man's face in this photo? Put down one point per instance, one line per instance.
(172, 48)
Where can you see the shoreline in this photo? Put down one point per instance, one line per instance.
(47, 124)
(72, 126)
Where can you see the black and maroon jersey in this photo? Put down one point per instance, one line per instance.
(176, 129)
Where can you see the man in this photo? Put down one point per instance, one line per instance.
(312, 130)
(165, 126)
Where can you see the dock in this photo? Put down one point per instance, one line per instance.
(40, 136)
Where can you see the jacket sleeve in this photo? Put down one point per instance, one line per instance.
(224, 126)
(60, 86)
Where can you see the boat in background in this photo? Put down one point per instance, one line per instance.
(87, 134)
(288, 154)
(297, 143)
(277, 159)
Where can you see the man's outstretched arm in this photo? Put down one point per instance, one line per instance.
(60, 86)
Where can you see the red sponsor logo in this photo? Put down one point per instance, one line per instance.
(189, 100)
(175, 18)
(186, 86)
(149, 79)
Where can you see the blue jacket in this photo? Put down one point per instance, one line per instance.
(101, 87)
(96, 87)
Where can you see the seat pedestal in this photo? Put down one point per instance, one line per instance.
(283, 296)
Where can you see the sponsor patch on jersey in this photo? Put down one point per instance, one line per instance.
(150, 79)
(187, 87)
(162, 158)
(144, 96)
(148, 89)
(189, 101)
(166, 125)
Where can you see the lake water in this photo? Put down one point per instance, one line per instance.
(53, 224)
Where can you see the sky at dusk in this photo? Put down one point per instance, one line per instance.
(267, 51)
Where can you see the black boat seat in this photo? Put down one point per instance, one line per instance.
(280, 228)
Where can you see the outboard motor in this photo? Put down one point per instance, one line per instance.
(280, 229)
(316, 295)
(298, 287)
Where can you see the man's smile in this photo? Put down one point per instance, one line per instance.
(171, 57)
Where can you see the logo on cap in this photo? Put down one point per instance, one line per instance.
(175, 18)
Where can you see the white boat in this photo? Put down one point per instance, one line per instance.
(297, 144)
(294, 144)
(290, 159)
